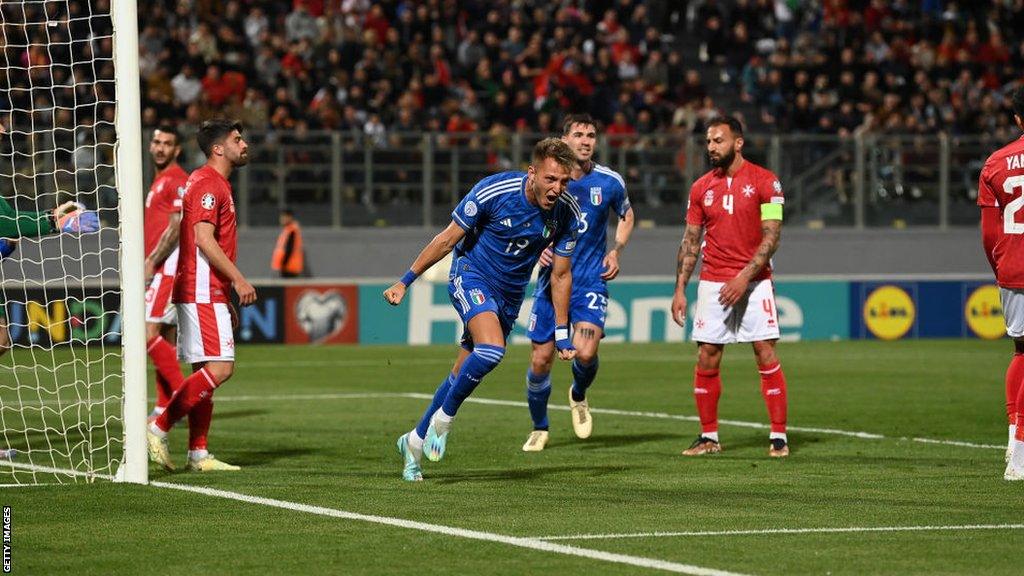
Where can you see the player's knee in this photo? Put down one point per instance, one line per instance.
(765, 354)
(221, 371)
(586, 356)
(152, 331)
(488, 355)
(709, 358)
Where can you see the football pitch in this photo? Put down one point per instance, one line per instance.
(896, 468)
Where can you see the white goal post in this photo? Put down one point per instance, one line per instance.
(72, 330)
(128, 169)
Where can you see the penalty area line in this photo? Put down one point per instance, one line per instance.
(528, 543)
(782, 531)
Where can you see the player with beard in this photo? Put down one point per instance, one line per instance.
(206, 274)
(739, 206)
(161, 224)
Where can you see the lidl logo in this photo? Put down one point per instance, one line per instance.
(889, 312)
(984, 313)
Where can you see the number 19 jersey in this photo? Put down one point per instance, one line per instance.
(1001, 185)
(505, 234)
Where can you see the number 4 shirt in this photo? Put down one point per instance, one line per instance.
(1001, 185)
(729, 209)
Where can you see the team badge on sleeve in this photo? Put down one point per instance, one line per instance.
(470, 209)
(777, 187)
(208, 201)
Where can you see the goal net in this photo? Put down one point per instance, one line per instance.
(66, 303)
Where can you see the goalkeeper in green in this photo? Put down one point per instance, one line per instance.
(69, 217)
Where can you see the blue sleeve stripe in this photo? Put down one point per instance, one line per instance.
(499, 188)
(460, 221)
(612, 173)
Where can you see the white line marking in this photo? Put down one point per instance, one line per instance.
(529, 543)
(518, 404)
(49, 470)
(740, 423)
(775, 531)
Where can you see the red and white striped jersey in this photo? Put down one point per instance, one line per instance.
(164, 199)
(207, 199)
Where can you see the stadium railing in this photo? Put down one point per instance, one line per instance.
(348, 179)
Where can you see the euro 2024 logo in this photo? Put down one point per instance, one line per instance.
(321, 315)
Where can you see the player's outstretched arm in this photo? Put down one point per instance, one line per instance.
(623, 230)
(686, 261)
(733, 290)
(25, 223)
(561, 291)
(432, 253)
(167, 243)
(206, 242)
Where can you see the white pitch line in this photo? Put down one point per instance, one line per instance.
(776, 531)
(740, 423)
(529, 543)
(519, 404)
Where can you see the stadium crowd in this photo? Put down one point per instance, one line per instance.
(827, 66)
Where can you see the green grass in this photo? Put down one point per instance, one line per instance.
(627, 478)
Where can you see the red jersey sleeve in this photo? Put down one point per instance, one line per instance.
(769, 190)
(209, 200)
(695, 206)
(986, 195)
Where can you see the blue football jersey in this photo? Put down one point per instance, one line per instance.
(505, 234)
(600, 190)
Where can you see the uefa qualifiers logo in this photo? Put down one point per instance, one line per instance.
(889, 312)
(321, 315)
(984, 313)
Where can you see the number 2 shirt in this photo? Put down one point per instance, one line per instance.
(1001, 185)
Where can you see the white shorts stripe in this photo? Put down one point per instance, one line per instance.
(202, 277)
(191, 331)
(461, 294)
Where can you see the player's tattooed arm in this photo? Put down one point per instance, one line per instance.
(771, 232)
(689, 250)
(686, 261)
(167, 243)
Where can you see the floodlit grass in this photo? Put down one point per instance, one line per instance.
(317, 426)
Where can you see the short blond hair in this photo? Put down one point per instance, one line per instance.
(554, 148)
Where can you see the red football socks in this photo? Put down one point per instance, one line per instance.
(196, 388)
(773, 389)
(199, 423)
(1014, 377)
(707, 389)
(168, 372)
